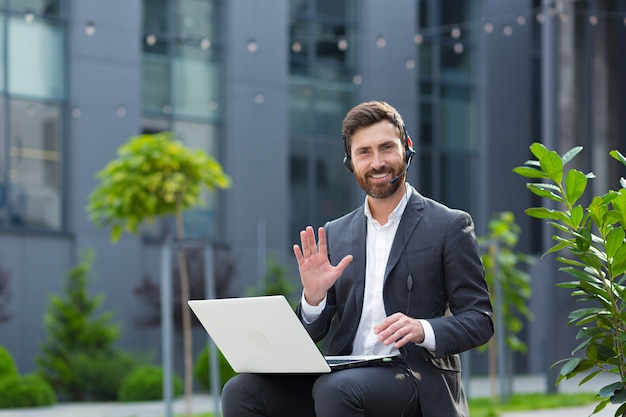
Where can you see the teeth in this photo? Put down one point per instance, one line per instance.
(379, 175)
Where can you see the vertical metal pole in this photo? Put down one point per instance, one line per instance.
(548, 134)
(503, 376)
(261, 255)
(214, 366)
(166, 324)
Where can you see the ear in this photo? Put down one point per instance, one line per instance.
(409, 142)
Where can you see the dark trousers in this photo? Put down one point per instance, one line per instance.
(377, 391)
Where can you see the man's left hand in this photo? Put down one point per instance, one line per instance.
(400, 329)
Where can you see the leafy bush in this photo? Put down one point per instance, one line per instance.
(7, 365)
(202, 370)
(25, 391)
(146, 384)
(101, 373)
(73, 329)
(591, 244)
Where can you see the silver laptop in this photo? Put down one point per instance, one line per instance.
(264, 335)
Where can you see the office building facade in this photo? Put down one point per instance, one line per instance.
(262, 85)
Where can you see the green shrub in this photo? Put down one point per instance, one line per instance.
(74, 325)
(25, 391)
(7, 365)
(202, 369)
(146, 384)
(101, 374)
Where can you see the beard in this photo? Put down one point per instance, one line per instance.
(380, 190)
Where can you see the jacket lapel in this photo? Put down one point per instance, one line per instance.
(410, 219)
(359, 229)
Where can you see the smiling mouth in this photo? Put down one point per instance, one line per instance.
(380, 176)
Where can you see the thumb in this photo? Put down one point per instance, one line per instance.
(343, 264)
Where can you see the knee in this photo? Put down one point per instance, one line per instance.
(234, 395)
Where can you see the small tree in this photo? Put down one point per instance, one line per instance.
(155, 176)
(502, 268)
(73, 328)
(592, 240)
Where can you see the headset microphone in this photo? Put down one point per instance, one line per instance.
(410, 153)
(397, 177)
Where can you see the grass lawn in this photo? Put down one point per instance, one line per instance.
(486, 407)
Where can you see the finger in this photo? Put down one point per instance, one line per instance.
(298, 253)
(406, 339)
(321, 234)
(309, 240)
(304, 241)
(343, 264)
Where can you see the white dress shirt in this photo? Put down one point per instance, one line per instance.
(378, 245)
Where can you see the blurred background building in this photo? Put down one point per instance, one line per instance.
(263, 85)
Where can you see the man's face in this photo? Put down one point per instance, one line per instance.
(378, 156)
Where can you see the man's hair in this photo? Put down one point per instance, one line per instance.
(367, 114)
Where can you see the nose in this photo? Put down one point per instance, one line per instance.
(378, 161)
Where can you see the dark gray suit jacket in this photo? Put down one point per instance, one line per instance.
(437, 247)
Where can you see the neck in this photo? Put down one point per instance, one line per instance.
(381, 208)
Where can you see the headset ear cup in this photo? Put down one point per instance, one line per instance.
(410, 152)
(347, 163)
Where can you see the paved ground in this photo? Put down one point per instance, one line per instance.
(478, 387)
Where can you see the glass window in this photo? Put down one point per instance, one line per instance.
(195, 88)
(334, 8)
(300, 104)
(197, 19)
(43, 7)
(457, 119)
(333, 181)
(456, 179)
(156, 77)
(330, 108)
(181, 77)
(2, 63)
(320, 93)
(35, 191)
(35, 67)
(155, 16)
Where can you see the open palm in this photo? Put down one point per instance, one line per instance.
(316, 272)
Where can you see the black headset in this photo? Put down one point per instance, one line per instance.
(408, 149)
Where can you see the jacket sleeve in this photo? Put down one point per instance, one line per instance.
(469, 322)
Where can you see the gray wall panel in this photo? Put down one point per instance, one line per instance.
(256, 136)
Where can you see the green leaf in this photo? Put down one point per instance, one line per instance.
(619, 260)
(576, 216)
(569, 155)
(614, 240)
(575, 184)
(619, 204)
(545, 213)
(541, 191)
(609, 390)
(583, 313)
(529, 172)
(617, 155)
(552, 164)
(116, 232)
(538, 149)
(570, 366)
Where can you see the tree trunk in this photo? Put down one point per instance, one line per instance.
(186, 314)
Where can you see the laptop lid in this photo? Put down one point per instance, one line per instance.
(260, 335)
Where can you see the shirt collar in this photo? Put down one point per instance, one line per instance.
(397, 212)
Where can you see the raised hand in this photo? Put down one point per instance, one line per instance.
(316, 272)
